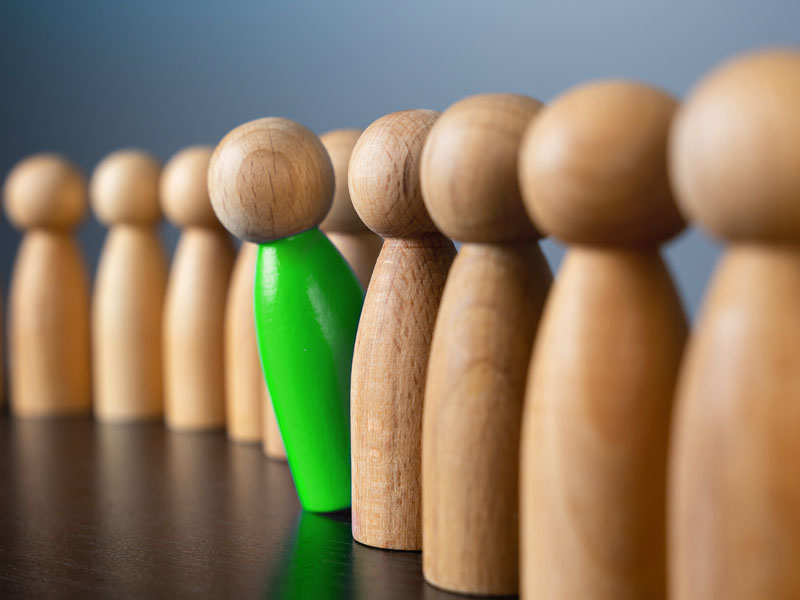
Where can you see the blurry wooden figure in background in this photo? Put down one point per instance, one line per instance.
(735, 489)
(359, 246)
(129, 289)
(245, 391)
(194, 311)
(49, 297)
(481, 345)
(273, 442)
(394, 334)
(601, 385)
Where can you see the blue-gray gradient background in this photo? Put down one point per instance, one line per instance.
(85, 78)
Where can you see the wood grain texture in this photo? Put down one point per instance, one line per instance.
(469, 169)
(594, 451)
(127, 315)
(49, 328)
(244, 380)
(194, 330)
(388, 384)
(735, 507)
(299, 170)
(473, 406)
(390, 359)
(481, 346)
(735, 494)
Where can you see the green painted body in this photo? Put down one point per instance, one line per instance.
(307, 305)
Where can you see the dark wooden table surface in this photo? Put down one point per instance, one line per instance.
(134, 511)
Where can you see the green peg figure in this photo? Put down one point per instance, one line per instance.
(271, 182)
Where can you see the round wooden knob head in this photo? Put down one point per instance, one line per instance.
(342, 217)
(384, 174)
(469, 169)
(124, 188)
(184, 191)
(735, 149)
(270, 179)
(593, 166)
(45, 191)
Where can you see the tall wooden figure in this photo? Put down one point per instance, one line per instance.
(359, 246)
(603, 370)
(49, 296)
(481, 345)
(194, 310)
(394, 334)
(735, 494)
(129, 290)
(245, 390)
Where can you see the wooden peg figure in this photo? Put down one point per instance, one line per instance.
(49, 296)
(274, 447)
(271, 182)
(128, 300)
(735, 493)
(194, 311)
(481, 345)
(394, 334)
(598, 403)
(245, 391)
(359, 246)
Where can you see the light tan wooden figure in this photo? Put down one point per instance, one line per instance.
(245, 390)
(49, 296)
(481, 345)
(601, 385)
(194, 311)
(735, 488)
(359, 246)
(128, 299)
(394, 334)
(273, 442)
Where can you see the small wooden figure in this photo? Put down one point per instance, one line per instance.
(245, 391)
(481, 345)
(600, 389)
(271, 183)
(49, 297)
(194, 311)
(735, 493)
(394, 336)
(359, 246)
(129, 289)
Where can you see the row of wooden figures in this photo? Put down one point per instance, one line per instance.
(181, 345)
(522, 435)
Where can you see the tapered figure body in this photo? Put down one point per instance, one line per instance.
(245, 391)
(481, 345)
(735, 492)
(394, 334)
(49, 296)
(194, 310)
(603, 370)
(127, 305)
(271, 183)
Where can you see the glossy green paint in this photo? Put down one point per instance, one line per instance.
(307, 305)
